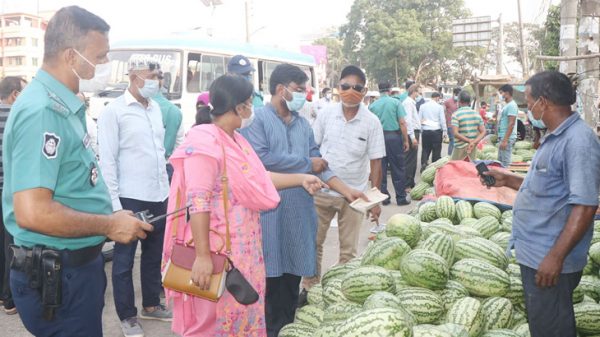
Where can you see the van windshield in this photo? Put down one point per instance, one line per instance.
(170, 64)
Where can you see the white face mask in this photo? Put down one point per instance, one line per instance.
(150, 89)
(328, 96)
(99, 81)
(247, 121)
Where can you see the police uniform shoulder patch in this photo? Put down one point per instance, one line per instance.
(51, 144)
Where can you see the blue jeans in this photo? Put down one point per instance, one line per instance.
(82, 302)
(550, 310)
(505, 156)
(451, 141)
(122, 269)
(395, 157)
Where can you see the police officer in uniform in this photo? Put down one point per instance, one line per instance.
(56, 204)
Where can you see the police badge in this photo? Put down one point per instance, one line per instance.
(93, 175)
(51, 144)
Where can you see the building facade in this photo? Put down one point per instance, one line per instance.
(21, 44)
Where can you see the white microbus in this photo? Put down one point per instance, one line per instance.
(190, 64)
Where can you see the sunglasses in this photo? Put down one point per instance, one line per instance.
(356, 87)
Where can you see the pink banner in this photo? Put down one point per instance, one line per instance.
(318, 52)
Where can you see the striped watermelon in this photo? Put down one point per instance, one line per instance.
(506, 214)
(296, 330)
(515, 291)
(480, 278)
(456, 330)
(423, 268)
(428, 175)
(482, 209)
(309, 314)
(358, 284)
(594, 253)
(444, 207)
(590, 286)
(377, 322)
(497, 313)
(441, 244)
(445, 221)
(522, 330)
(468, 231)
(466, 312)
(578, 295)
(341, 311)
(587, 316)
(427, 212)
(501, 239)
(327, 330)
(586, 298)
(332, 293)
(514, 270)
(590, 268)
(481, 249)
(380, 236)
(425, 305)
(595, 236)
(405, 227)
(487, 226)
(418, 191)
(501, 333)
(464, 210)
(453, 292)
(386, 253)
(518, 318)
(355, 262)
(336, 272)
(430, 191)
(439, 227)
(427, 330)
(468, 221)
(398, 280)
(315, 295)
(506, 225)
(441, 162)
(381, 299)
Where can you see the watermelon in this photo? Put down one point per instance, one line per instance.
(336, 272)
(506, 214)
(590, 268)
(441, 244)
(439, 227)
(456, 330)
(332, 293)
(515, 291)
(464, 210)
(355, 262)
(523, 145)
(427, 212)
(327, 330)
(405, 227)
(296, 330)
(480, 278)
(315, 295)
(487, 226)
(590, 286)
(418, 191)
(595, 236)
(468, 221)
(481, 249)
(501, 239)
(422, 268)
(518, 317)
(430, 191)
(468, 231)
(427, 330)
(467, 312)
(441, 162)
(425, 305)
(588, 299)
(341, 311)
(594, 253)
(445, 221)
(428, 175)
(309, 314)
(578, 295)
(444, 207)
(497, 313)
(453, 292)
(377, 322)
(506, 225)
(482, 209)
(385, 253)
(358, 284)
(514, 270)
(587, 316)
(398, 280)
(381, 299)
(522, 330)
(501, 333)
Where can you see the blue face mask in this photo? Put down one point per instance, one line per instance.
(297, 102)
(538, 123)
(418, 98)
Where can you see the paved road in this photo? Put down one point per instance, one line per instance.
(11, 325)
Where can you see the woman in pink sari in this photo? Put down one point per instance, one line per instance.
(198, 166)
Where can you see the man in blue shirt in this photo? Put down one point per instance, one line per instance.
(285, 143)
(507, 125)
(554, 209)
(241, 65)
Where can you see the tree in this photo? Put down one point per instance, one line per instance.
(549, 37)
(335, 58)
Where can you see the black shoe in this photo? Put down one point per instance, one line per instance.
(302, 298)
(403, 202)
(386, 202)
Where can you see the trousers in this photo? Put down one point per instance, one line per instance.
(281, 299)
(394, 156)
(432, 145)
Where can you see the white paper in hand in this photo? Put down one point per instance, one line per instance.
(375, 197)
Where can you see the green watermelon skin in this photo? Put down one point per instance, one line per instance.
(336, 272)
(481, 249)
(419, 190)
(480, 278)
(360, 283)
(482, 209)
(590, 286)
(515, 291)
(445, 208)
(341, 311)
(425, 305)
(464, 210)
(422, 268)
(453, 292)
(441, 244)
(501, 239)
(332, 293)
(594, 253)
(427, 212)
(309, 314)
(426, 330)
(501, 333)
(497, 313)
(487, 226)
(428, 175)
(377, 322)
(382, 299)
(296, 329)
(467, 312)
(386, 253)
(405, 227)
(587, 318)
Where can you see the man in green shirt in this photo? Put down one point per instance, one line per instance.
(467, 127)
(171, 118)
(507, 125)
(54, 195)
(391, 114)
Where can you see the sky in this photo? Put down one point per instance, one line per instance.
(283, 23)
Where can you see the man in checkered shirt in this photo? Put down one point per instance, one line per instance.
(351, 141)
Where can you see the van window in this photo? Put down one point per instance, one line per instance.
(193, 72)
(267, 70)
(212, 68)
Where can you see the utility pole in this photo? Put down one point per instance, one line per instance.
(589, 69)
(522, 40)
(500, 49)
(247, 21)
(568, 35)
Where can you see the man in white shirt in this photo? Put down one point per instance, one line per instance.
(351, 141)
(324, 101)
(433, 124)
(414, 131)
(132, 161)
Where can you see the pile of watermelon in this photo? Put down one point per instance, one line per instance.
(522, 152)
(425, 186)
(440, 271)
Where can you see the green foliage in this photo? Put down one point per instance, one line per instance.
(336, 59)
(549, 37)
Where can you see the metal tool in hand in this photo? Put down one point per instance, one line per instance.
(146, 217)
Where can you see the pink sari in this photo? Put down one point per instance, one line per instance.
(198, 166)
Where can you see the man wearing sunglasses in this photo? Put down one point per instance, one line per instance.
(351, 140)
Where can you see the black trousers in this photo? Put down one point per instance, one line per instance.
(432, 145)
(394, 156)
(411, 162)
(5, 256)
(550, 310)
(281, 300)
